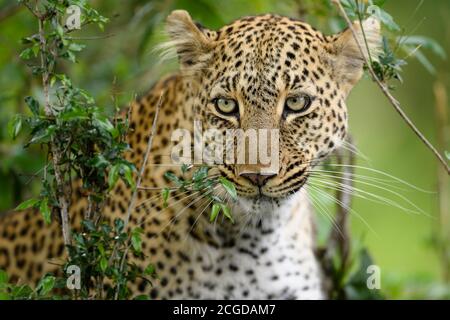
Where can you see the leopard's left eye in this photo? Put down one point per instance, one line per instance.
(298, 103)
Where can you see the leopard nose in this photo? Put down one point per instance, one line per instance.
(257, 179)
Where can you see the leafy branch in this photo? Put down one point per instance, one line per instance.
(366, 54)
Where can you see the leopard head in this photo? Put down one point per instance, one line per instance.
(278, 74)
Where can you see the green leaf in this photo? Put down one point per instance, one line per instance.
(136, 240)
(103, 263)
(229, 187)
(200, 174)
(76, 47)
(128, 176)
(88, 225)
(45, 211)
(3, 277)
(424, 42)
(22, 292)
(46, 285)
(227, 212)
(59, 30)
(385, 18)
(14, 126)
(75, 114)
(184, 168)
(214, 212)
(33, 105)
(28, 204)
(447, 154)
(172, 177)
(98, 161)
(165, 195)
(113, 176)
(43, 136)
(105, 124)
(119, 225)
(27, 54)
(150, 270)
(142, 297)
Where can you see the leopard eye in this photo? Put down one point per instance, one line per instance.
(298, 103)
(226, 106)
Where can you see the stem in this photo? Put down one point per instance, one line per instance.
(341, 234)
(54, 150)
(134, 195)
(386, 92)
(443, 189)
(144, 162)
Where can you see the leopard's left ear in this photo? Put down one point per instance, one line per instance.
(192, 42)
(346, 58)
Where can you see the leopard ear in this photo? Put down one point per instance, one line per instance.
(192, 42)
(347, 60)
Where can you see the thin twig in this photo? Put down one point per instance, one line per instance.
(134, 195)
(386, 92)
(144, 162)
(92, 37)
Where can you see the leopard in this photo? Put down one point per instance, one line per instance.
(258, 72)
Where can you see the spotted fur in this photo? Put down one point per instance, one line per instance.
(269, 252)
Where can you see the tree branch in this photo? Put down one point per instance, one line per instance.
(56, 154)
(386, 92)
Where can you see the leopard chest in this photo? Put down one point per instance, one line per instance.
(271, 258)
(266, 268)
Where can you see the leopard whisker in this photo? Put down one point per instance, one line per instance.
(360, 194)
(322, 209)
(346, 207)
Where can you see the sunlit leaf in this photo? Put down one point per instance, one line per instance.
(46, 285)
(227, 212)
(45, 211)
(214, 212)
(424, 42)
(14, 126)
(165, 195)
(103, 263)
(229, 187)
(28, 204)
(136, 240)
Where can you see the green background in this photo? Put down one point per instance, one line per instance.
(120, 62)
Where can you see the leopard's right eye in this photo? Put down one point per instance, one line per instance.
(226, 106)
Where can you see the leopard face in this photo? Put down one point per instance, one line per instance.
(272, 72)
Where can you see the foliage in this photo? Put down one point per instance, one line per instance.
(101, 251)
(43, 291)
(82, 143)
(204, 184)
(69, 123)
(388, 65)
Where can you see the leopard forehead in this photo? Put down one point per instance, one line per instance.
(269, 53)
(262, 34)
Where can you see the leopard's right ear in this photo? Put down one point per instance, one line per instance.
(347, 60)
(192, 42)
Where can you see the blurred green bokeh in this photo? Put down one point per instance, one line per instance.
(120, 62)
